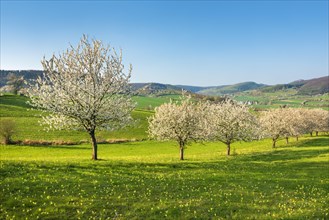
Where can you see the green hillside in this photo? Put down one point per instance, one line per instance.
(287, 97)
(303, 87)
(149, 103)
(231, 89)
(28, 128)
(27, 120)
(155, 89)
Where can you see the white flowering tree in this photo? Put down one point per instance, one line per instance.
(274, 124)
(317, 120)
(84, 87)
(231, 122)
(294, 120)
(310, 121)
(287, 122)
(182, 122)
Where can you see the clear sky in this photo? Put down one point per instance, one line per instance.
(203, 43)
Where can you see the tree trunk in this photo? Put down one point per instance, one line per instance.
(181, 149)
(287, 140)
(296, 138)
(311, 133)
(228, 149)
(316, 133)
(94, 144)
(7, 140)
(273, 145)
(181, 153)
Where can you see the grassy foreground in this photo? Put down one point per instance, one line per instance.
(145, 180)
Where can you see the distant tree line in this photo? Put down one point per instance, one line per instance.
(26, 74)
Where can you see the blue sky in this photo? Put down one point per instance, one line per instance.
(202, 43)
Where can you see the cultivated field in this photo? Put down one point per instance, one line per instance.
(146, 180)
(287, 97)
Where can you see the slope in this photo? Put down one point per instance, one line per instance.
(230, 89)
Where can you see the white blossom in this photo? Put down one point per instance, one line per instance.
(231, 122)
(84, 87)
(274, 124)
(315, 120)
(182, 122)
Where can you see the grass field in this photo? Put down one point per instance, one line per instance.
(287, 97)
(146, 180)
(150, 103)
(28, 127)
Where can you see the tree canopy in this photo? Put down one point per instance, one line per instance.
(84, 87)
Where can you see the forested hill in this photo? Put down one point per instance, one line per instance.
(154, 89)
(194, 89)
(231, 89)
(303, 87)
(27, 74)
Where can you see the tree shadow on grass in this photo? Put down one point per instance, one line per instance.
(285, 155)
(15, 100)
(293, 151)
(314, 142)
(69, 147)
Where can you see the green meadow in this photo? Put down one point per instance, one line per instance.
(144, 179)
(28, 127)
(144, 102)
(288, 97)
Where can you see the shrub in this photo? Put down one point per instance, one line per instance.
(7, 129)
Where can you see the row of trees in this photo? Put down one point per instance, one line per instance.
(293, 122)
(228, 122)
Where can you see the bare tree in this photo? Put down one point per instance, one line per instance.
(15, 82)
(231, 122)
(84, 87)
(182, 122)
